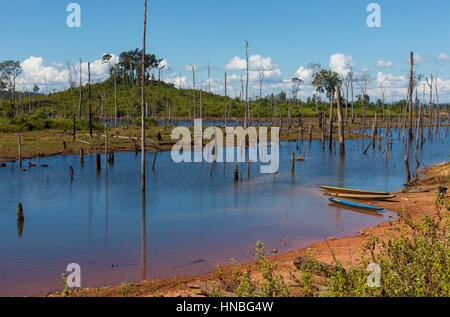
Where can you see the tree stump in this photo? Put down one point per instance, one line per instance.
(81, 156)
(20, 216)
(98, 165)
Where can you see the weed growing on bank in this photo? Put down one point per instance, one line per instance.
(414, 260)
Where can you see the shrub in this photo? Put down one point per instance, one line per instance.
(414, 260)
(270, 284)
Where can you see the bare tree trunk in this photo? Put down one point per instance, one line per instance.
(247, 108)
(90, 99)
(438, 121)
(209, 78)
(116, 108)
(410, 91)
(81, 92)
(340, 122)
(330, 146)
(193, 86)
(226, 105)
(261, 80)
(143, 101)
(289, 113)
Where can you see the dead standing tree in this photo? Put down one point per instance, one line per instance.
(193, 87)
(410, 96)
(143, 101)
(350, 75)
(247, 108)
(430, 85)
(295, 82)
(90, 99)
(363, 82)
(340, 122)
(261, 80)
(81, 90)
(327, 81)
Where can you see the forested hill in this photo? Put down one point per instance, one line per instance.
(162, 99)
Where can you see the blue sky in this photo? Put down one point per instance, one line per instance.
(292, 33)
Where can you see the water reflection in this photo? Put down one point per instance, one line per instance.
(143, 240)
(20, 228)
(193, 215)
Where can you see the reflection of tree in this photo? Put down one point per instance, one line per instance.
(143, 240)
(20, 228)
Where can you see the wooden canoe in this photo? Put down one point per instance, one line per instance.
(361, 197)
(352, 204)
(352, 191)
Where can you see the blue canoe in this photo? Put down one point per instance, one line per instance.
(355, 205)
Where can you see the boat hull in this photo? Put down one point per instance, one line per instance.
(352, 191)
(362, 197)
(352, 204)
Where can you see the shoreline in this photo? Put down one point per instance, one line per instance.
(416, 199)
(50, 143)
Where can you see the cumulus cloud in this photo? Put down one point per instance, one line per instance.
(57, 65)
(164, 65)
(55, 76)
(382, 63)
(255, 63)
(176, 80)
(304, 74)
(390, 81)
(341, 63)
(419, 59)
(444, 58)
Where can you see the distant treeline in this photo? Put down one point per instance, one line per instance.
(119, 97)
(164, 100)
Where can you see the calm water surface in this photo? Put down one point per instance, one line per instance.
(190, 222)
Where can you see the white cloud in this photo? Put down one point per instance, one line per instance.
(34, 71)
(341, 63)
(235, 63)
(177, 81)
(164, 65)
(57, 65)
(255, 63)
(384, 64)
(304, 74)
(444, 58)
(419, 59)
(390, 81)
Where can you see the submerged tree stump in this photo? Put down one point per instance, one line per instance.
(154, 161)
(81, 156)
(408, 174)
(72, 174)
(292, 163)
(20, 216)
(111, 157)
(98, 165)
